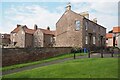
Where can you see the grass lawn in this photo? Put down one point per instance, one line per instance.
(79, 68)
(41, 61)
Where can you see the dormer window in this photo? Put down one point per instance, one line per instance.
(77, 25)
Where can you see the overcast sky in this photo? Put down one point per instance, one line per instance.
(44, 13)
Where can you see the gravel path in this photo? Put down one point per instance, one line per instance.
(95, 55)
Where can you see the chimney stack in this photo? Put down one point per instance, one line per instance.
(85, 14)
(48, 28)
(35, 27)
(18, 25)
(68, 7)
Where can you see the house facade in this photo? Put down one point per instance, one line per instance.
(44, 38)
(113, 38)
(22, 36)
(76, 30)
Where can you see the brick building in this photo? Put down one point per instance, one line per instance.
(76, 30)
(113, 37)
(22, 36)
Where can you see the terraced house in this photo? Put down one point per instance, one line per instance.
(22, 36)
(77, 30)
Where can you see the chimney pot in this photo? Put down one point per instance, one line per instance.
(18, 25)
(68, 7)
(95, 20)
(35, 27)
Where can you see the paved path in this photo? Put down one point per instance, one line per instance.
(51, 62)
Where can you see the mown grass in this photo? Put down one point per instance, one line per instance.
(41, 61)
(79, 68)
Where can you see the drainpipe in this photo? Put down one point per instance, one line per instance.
(114, 38)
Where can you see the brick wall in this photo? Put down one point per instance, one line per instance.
(12, 56)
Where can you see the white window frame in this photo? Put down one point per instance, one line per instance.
(77, 25)
(14, 34)
(86, 39)
(51, 39)
(94, 40)
(22, 32)
(86, 25)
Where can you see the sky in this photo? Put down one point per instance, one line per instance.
(47, 13)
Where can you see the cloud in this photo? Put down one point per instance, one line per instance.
(76, 1)
(105, 12)
(30, 15)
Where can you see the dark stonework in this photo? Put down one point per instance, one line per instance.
(12, 56)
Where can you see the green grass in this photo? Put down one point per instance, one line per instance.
(41, 61)
(79, 68)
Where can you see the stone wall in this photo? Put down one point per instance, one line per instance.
(12, 56)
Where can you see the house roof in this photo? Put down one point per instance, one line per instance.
(32, 31)
(45, 31)
(116, 29)
(81, 16)
(109, 35)
(27, 30)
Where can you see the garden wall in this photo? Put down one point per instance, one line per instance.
(12, 56)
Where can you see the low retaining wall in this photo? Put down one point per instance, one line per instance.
(12, 56)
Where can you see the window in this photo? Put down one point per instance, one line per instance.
(77, 25)
(94, 28)
(86, 40)
(93, 39)
(14, 34)
(2, 36)
(13, 39)
(51, 39)
(22, 32)
(86, 25)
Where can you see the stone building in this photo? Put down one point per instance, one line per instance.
(113, 37)
(76, 30)
(5, 40)
(44, 38)
(22, 36)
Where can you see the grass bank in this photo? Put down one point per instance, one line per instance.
(41, 61)
(79, 68)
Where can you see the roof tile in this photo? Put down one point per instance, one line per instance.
(116, 29)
